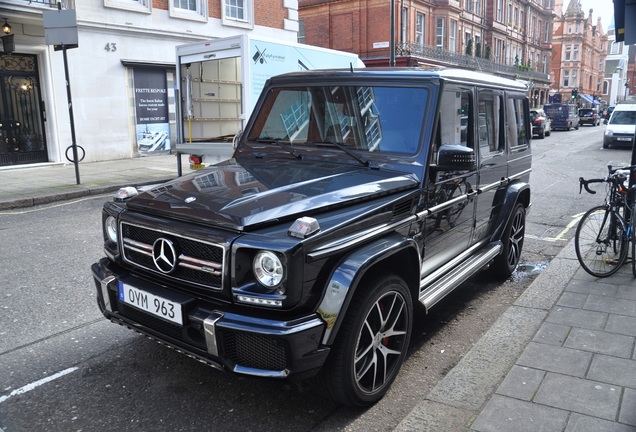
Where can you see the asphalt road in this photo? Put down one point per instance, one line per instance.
(63, 367)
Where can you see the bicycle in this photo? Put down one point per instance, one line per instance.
(605, 232)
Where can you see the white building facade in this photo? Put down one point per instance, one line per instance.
(119, 42)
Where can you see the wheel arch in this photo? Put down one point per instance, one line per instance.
(394, 254)
(516, 193)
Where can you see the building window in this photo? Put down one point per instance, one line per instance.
(469, 5)
(614, 48)
(130, 5)
(238, 13)
(516, 16)
(509, 14)
(575, 54)
(189, 9)
(547, 32)
(440, 33)
(452, 31)
(419, 29)
(405, 20)
(570, 29)
(545, 64)
(500, 10)
(568, 52)
(522, 19)
(600, 65)
(576, 30)
(498, 50)
(478, 7)
(301, 31)
(573, 82)
(566, 78)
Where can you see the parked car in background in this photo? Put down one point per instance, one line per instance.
(620, 128)
(541, 124)
(589, 116)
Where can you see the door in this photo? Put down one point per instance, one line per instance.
(449, 194)
(22, 116)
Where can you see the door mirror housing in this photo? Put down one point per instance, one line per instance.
(455, 157)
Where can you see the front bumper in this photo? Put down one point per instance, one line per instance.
(223, 339)
(618, 140)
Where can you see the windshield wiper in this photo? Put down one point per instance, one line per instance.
(278, 142)
(342, 147)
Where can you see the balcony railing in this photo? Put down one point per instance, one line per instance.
(65, 4)
(448, 58)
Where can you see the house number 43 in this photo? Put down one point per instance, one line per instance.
(110, 47)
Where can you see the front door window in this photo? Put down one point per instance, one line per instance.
(22, 137)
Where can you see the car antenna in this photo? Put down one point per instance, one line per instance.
(351, 66)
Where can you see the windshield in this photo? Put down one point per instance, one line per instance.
(370, 119)
(586, 112)
(623, 118)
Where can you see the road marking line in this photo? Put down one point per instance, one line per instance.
(52, 206)
(38, 383)
(561, 235)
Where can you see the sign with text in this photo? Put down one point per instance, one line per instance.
(151, 107)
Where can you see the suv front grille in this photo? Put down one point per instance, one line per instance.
(197, 262)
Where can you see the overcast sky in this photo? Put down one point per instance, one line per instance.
(602, 8)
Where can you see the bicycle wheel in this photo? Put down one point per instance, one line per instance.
(601, 242)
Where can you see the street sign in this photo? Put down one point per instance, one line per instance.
(60, 28)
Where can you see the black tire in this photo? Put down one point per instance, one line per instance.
(375, 332)
(603, 257)
(506, 262)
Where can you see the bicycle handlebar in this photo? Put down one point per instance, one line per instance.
(583, 184)
(615, 176)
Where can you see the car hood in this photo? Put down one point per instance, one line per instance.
(619, 128)
(242, 194)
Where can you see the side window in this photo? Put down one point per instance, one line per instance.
(517, 122)
(489, 123)
(456, 122)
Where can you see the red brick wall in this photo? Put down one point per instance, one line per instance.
(269, 13)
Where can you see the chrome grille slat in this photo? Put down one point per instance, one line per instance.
(200, 263)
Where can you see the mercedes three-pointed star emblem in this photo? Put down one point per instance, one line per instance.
(164, 255)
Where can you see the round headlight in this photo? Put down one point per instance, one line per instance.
(111, 228)
(268, 269)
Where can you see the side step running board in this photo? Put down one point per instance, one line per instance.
(432, 293)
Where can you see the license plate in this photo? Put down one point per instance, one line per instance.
(153, 304)
(585, 118)
(623, 139)
(197, 166)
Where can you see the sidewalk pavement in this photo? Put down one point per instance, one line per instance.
(561, 358)
(29, 185)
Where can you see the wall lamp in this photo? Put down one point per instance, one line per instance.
(6, 28)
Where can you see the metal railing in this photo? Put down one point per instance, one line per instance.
(447, 58)
(65, 4)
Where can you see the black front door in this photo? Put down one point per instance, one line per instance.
(22, 138)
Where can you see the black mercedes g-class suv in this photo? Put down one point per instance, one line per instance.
(355, 201)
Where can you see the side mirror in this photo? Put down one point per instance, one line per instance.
(455, 157)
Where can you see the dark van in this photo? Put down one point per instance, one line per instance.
(564, 115)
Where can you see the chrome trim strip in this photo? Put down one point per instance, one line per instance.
(494, 185)
(451, 264)
(521, 174)
(104, 284)
(209, 329)
(202, 263)
(358, 238)
(438, 290)
(261, 372)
